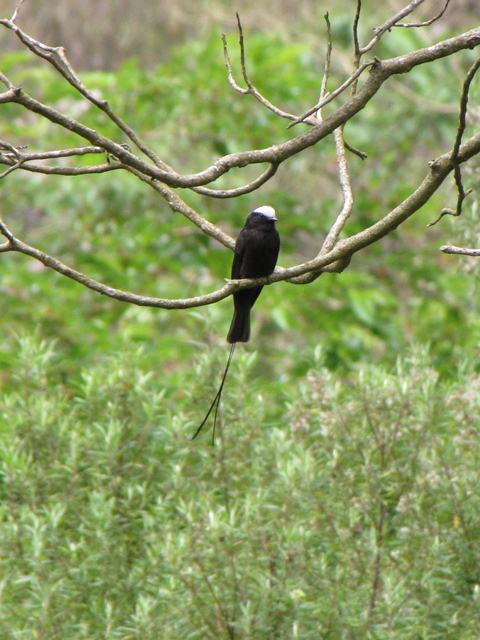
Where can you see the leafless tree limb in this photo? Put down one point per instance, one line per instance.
(344, 177)
(346, 186)
(391, 22)
(463, 251)
(15, 164)
(425, 23)
(331, 96)
(60, 171)
(17, 8)
(252, 90)
(343, 174)
(462, 194)
(17, 158)
(334, 255)
(180, 206)
(275, 154)
(239, 191)
(357, 54)
(57, 57)
(342, 251)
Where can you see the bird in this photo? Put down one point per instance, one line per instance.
(255, 255)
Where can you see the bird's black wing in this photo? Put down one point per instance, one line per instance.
(238, 256)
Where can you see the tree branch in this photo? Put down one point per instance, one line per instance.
(239, 191)
(463, 251)
(425, 23)
(57, 57)
(343, 250)
(391, 22)
(274, 154)
(344, 177)
(462, 194)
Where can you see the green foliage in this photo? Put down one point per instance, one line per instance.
(119, 231)
(112, 523)
(339, 508)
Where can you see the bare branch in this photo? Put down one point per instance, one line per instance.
(17, 158)
(57, 57)
(251, 89)
(391, 22)
(13, 167)
(462, 194)
(117, 294)
(344, 177)
(7, 233)
(275, 154)
(63, 171)
(228, 66)
(15, 13)
(341, 253)
(361, 154)
(447, 248)
(46, 155)
(326, 67)
(346, 186)
(331, 96)
(356, 43)
(426, 23)
(239, 191)
(177, 204)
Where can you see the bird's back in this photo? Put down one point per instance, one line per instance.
(260, 252)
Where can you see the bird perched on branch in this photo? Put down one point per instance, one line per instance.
(256, 253)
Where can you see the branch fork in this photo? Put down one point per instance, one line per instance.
(137, 158)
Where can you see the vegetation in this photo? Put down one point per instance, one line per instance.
(341, 500)
(329, 508)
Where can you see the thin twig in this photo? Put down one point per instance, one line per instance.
(342, 251)
(426, 23)
(326, 67)
(334, 94)
(463, 251)
(344, 177)
(5, 231)
(391, 22)
(357, 55)
(15, 13)
(179, 205)
(57, 57)
(251, 89)
(275, 153)
(239, 191)
(228, 66)
(13, 167)
(361, 154)
(17, 158)
(462, 194)
(32, 167)
(346, 186)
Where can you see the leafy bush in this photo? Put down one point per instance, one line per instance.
(345, 508)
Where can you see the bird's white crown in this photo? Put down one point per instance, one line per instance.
(268, 212)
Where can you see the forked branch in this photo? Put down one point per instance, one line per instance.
(145, 164)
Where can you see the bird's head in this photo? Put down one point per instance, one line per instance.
(263, 214)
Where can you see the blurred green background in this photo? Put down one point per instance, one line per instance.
(340, 500)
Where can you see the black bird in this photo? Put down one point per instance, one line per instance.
(256, 253)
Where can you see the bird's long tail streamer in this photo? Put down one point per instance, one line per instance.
(216, 401)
